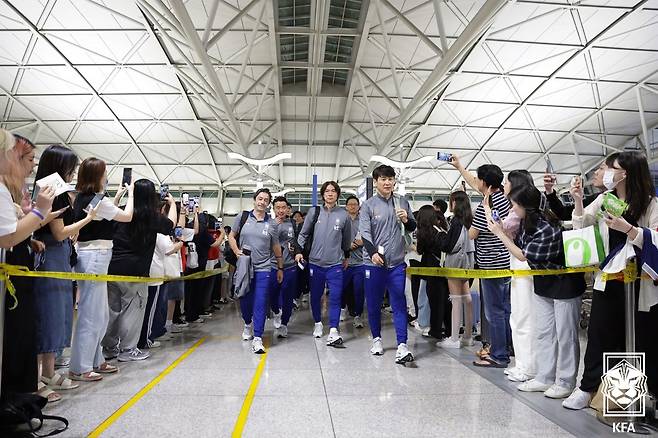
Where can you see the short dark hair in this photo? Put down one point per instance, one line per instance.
(491, 175)
(259, 191)
(349, 198)
(280, 199)
(90, 175)
(297, 212)
(383, 170)
(334, 184)
(441, 205)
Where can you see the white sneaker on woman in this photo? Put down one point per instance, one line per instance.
(449, 343)
(533, 386)
(578, 399)
(557, 391)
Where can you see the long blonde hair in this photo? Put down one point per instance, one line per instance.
(11, 172)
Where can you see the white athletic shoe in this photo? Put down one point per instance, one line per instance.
(578, 399)
(277, 320)
(175, 328)
(317, 330)
(377, 347)
(518, 376)
(557, 391)
(533, 386)
(334, 338)
(282, 332)
(449, 343)
(358, 323)
(509, 370)
(257, 346)
(403, 355)
(343, 314)
(247, 332)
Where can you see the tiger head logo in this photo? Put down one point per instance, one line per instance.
(624, 384)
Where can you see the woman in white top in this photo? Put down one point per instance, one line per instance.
(94, 248)
(17, 223)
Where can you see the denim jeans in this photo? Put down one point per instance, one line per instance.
(497, 311)
(93, 312)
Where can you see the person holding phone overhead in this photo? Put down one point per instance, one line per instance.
(94, 247)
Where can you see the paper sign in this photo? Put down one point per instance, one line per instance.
(56, 182)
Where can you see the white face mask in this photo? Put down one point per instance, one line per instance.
(609, 179)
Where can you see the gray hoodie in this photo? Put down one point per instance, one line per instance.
(331, 237)
(381, 230)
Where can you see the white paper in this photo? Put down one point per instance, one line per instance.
(56, 182)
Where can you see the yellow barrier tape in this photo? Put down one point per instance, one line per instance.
(7, 271)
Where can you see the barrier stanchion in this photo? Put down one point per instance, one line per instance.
(3, 297)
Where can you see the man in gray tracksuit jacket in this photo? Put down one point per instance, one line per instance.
(330, 247)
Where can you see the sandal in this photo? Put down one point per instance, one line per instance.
(85, 377)
(106, 368)
(47, 393)
(483, 352)
(59, 382)
(488, 362)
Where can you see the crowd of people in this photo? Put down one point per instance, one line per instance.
(354, 255)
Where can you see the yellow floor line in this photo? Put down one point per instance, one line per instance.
(126, 406)
(246, 405)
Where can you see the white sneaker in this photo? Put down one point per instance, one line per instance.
(403, 355)
(533, 386)
(277, 320)
(334, 338)
(257, 346)
(343, 314)
(175, 328)
(154, 344)
(449, 343)
(247, 332)
(317, 330)
(509, 370)
(426, 332)
(557, 391)
(377, 347)
(282, 332)
(518, 376)
(578, 399)
(357, 322)
(133, 355)
(467, 342)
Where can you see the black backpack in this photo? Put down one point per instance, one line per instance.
(17, 413)
(229, 255)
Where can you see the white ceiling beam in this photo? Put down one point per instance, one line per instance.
(250, 46)
(276, 79)
(420, 34)
(389, 55)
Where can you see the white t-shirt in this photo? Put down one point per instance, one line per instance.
(163, 245)
(107, 210)
(8, 218)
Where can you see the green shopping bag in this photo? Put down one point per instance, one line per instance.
(583, 247)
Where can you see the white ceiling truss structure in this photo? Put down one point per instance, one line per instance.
(169, 87)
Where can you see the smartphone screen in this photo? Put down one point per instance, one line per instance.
(185, 198)
(35, 193)
(549, 166)
(178, 232)
(164, 189)
(127, 176)
(94, 202)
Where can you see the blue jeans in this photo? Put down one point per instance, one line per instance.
(497, 311)
(254, 304)
(93, 312)
(333, 277)
(353, 282)
(282, 294)
(379, 279)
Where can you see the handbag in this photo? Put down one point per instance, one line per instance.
(19, 410)
(583, 247)
(192, 256)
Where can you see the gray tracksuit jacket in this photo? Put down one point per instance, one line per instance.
(331, 237)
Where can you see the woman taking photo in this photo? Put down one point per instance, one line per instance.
(19, 364)
(627, 177)
(54, 306)
(132, 254)
(94, 247)
(258, 240)
(557, 298)
(460, 253)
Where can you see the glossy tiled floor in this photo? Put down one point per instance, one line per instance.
(310, 390)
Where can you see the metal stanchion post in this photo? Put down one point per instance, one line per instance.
(3, 295)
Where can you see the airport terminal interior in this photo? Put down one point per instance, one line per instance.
(491, 130)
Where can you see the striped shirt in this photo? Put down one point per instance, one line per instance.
(490, 252)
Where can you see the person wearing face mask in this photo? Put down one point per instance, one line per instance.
(564, 212)
(628, 178)
(330, 226)
(256, 237)
(383, 222)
